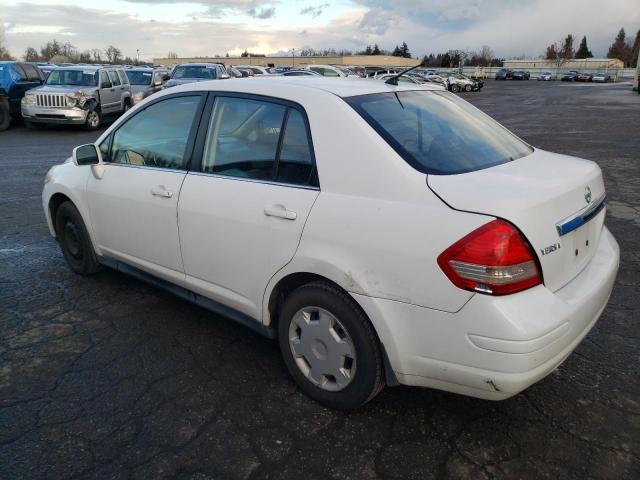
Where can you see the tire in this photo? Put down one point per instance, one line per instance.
(354, 333)
(5, 118)
(468, 88)
(74, 240)
(127, 106)
(455, 88)
(94, 119)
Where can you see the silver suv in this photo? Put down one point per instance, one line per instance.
(79, 94)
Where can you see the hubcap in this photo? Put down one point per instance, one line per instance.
(72, 239)
(322, 348)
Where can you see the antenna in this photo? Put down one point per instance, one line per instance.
(394, 80)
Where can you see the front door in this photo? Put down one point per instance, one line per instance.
(241, 217)
(133, 206)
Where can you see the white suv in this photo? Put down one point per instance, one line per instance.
(384, 234)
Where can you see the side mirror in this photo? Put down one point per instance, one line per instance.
(224, 76)
(105, 85)
(157, 82)
(86, 155)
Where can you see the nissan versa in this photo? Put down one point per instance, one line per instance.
(384, 234)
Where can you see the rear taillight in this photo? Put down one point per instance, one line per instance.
(494, 259)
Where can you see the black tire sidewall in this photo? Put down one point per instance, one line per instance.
(88, 263)
(368, 373)
(87, 125)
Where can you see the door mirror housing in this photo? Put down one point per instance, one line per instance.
(157, 82)
(86, 155)
(224, 76)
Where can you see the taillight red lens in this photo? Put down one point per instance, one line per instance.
(493, 259)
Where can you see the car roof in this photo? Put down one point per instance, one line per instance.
(203, 64)
(279, 86)
(86, 67)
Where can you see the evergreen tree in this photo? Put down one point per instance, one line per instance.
(376, 50)
(620, 49)
(396, 52)
(446, 60)
(567, 51)
(368, 50)
(583, 50)
(635, 49)
(404, 50)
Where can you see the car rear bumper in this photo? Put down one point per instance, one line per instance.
(35, 114)
(494, 347)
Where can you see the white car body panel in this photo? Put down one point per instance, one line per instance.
(375, 228)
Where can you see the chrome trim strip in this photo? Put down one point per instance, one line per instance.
(254, 180)
(144, 167)
(574, 222)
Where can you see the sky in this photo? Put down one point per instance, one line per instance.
(512, 28)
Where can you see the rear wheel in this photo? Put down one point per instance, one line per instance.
(455, 87)
(329, 346)
(5, 118)
(74, 240)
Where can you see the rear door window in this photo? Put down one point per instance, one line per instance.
(113, 76)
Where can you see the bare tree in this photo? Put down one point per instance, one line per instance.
(31, 55)
(486, 55)
(96, 53)
(172, 55)
(113, 54)
(560, 52)
(4, 52)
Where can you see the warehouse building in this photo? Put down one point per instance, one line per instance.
(586, 64)
(290, 61)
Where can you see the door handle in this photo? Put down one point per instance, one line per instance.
(280, 211)
(161, 192)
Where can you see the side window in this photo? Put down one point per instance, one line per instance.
(295, 164)
(157, 136)
(123, 78)
(113, 76)
(327, 72)
(243, 137)
(104, 80)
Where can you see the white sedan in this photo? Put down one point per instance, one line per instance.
(384, 234)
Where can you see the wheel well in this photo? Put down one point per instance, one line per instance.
(289, 283)
(55, 201)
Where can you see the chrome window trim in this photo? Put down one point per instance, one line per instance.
(577, 220)
(146, 167)
(255, 180)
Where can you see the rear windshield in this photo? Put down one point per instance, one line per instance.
(194, 72)
(437, 132)
(137, 77)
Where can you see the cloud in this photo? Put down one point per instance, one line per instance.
(263, 13)
(314, 11)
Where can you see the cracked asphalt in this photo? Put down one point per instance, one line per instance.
(109, 378)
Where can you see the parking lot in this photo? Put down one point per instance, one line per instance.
(107, 377)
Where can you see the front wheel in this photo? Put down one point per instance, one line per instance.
(74, 240)
(455, 88)
(468, 88)
(93, 120)
(329, 346)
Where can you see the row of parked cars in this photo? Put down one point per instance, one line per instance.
(83, 94)
(571, 76)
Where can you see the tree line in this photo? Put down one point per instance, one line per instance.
(622, 48)
(57, 52)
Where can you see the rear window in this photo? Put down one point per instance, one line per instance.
(437, 132)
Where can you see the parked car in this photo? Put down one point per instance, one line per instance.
(520, 75)
(196, 72)
(570, 76)
(584, 77)
(456, 82)
(47, 68)
(235, 73)
(410, 79)
(78, 95)
(602, 77)
(15, 79)
(300, 73)
(327, 71)
(504, 74)
(546, 76)
(145, 82)
(433, 261)
(255, 69)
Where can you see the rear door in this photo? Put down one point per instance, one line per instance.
(241, 216)
(108, 94)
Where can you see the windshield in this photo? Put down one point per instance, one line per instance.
(83, 78)
(194, 72)
(139, 78)
(437, 132)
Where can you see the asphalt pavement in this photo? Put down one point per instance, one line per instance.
(109, 378)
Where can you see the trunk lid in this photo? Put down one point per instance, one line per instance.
(555, 201)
